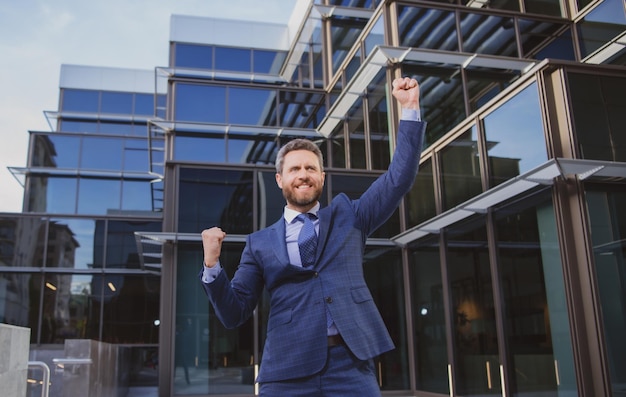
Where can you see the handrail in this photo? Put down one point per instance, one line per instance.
(45, 385)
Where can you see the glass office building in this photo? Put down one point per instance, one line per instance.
(502, 272)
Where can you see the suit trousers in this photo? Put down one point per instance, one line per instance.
(344, 375)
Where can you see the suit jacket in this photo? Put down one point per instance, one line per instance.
(296, 343)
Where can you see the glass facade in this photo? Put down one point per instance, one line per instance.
(500, 273)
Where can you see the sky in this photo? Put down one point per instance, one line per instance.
(38, 36)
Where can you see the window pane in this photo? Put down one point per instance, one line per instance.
(98, 196)
(599, 116)
(136, 195)
(251, 107)
(136, 155)
(80, 101)
(431, 350)
(68, 309)
(268, 62)
(271, 200)
(488, 34)
(484, 84)
(78, 126)
(72, 243)
(205, 149)
(121, 246)
(383, 274)
(215, 198)
(15, 248)
(200, 103)
(233, 59)
(427, 28)
(535, 34)
(56, 151)
(602, 25)
(113, 128)
(252, 149)
(193, 56)
(56, 195)
(420, 200)
(117, 103)
(344, 32)
(535, 309)
(20, 300)
(515, 137)
(460, 170)
(131, 304)
(144, 104)
(608, 231)
(102, 153)
(474, 327)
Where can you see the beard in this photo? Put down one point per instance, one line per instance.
(301, 200)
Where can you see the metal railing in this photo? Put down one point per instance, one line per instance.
(45, 383)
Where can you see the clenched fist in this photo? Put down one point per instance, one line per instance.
(407, 92)
(212, 243)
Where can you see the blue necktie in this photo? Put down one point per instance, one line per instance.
(307, 240)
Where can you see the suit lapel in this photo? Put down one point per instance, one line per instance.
(277, 241)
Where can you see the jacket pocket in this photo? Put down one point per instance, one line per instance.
(361, 294)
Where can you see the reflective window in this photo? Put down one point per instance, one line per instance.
(544, 7)
(271, 201)
(427, 28)
(55, 151)
(136, 195)
(297, 109)
(193, 56)
(52, 194)
(607, 216)
(22, 243)
(101, 153)
(208, 358)
(483, 84)
(130, 307)
(355, 3)
(121, 246)
(20, 302)
(252, 148)
(116, 102)
(70, 308)
(356, 131)
(379, 123)
(603, 24)
(269, 62)
(251, 106)
(344, 32)
(215, 198)
(488, 34)
(98, 196)
(350, 70)
(209, 148)
(383, 274)
(200, 103)
(144, 104)
(477, 359)
(535, 34)
(599, 112)
(72, 243)
(338, 147)
(233, 59)
(136, 155)
(533, 292)
(460, 170)
(120, 128)
(73, 125)
(444, 106)
(515, 138)
(431, 349)
(80, 101)
(354, 186)
(376, 35)
(420, 201)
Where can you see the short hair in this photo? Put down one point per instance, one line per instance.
(298, 144)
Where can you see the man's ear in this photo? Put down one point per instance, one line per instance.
(279, 180)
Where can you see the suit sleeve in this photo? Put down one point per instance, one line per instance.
(381, 199)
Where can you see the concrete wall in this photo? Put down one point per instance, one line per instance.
(14, 347)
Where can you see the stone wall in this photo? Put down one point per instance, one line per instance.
(14, 348)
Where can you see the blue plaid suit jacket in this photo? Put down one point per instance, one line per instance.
(295, 345)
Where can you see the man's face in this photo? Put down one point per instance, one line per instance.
(301, 180)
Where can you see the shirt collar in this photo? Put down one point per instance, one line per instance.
(290, 214)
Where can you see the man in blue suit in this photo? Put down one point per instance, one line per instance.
(324, 329)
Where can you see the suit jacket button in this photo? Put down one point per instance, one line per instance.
(329, 299)
(316, 274)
